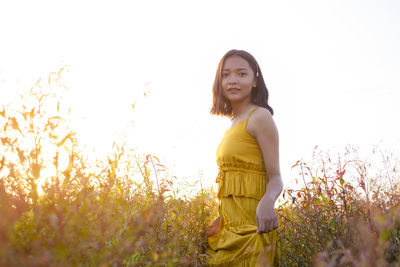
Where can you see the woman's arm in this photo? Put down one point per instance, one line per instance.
(263, 128)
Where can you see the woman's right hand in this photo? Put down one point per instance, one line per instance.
(213, 229)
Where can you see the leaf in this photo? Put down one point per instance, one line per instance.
(36, 170)
(2, 163)
(297, 163)
(160, 165)
(20, 155)
(5, 140)
(14, 124)
(155, 256)
(65, 139)
(55, 161)
(334, 191)
(67, 174)
(322, 180)
(60, 251)
(55, 117)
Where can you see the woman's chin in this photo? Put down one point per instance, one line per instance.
(236, 98)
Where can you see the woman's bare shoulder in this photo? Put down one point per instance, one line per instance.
(261, 113)
(260, 121)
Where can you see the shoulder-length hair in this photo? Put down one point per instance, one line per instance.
(259, 94)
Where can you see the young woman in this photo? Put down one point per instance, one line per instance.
(248, 158)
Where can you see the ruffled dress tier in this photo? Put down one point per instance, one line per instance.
(241, 182)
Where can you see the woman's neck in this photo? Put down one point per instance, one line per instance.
(240, 108)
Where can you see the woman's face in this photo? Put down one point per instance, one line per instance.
(238, 79)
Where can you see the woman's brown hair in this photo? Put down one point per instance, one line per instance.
(259, 94)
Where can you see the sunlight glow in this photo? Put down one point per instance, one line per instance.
(331, 82)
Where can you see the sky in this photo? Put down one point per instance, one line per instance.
(332, 69)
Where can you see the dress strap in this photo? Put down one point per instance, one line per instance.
(251, 112)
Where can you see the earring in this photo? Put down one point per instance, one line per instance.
(256, 70)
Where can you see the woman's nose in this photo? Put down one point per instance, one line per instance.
(232, 79)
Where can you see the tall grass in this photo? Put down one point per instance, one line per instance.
(123, 210)
(60, 208)
(346, 214)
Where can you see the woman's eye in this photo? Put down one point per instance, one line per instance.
(242, 74)
(224, 74)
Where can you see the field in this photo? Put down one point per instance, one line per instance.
(58, 208)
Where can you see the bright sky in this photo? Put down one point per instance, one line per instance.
(332, 69)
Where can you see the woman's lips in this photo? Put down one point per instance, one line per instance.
(233, 90)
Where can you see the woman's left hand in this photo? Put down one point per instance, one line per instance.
(267, 219)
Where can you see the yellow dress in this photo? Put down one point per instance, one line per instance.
(242, 181)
